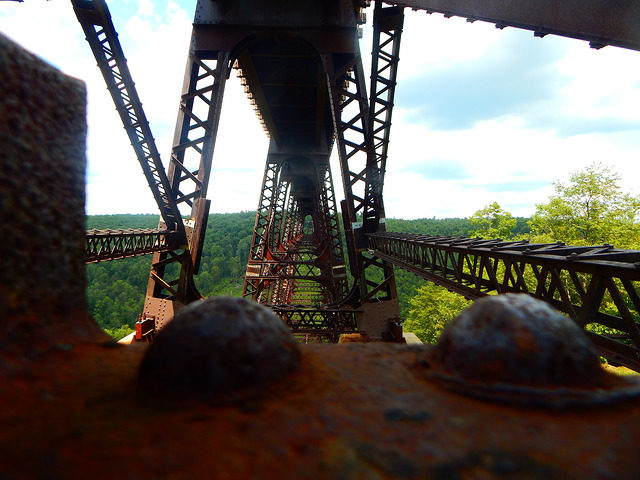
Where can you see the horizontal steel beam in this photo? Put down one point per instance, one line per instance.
(327, 322)
(595, 285)
(104, 245)
(600, 22)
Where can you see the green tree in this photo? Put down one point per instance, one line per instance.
(492, 222)
(119, 332)
(431, 309)
(590, 209)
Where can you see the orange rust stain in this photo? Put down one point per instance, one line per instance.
(355, 411)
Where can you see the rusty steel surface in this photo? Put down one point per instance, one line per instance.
(355, 411)
(601, 22)
(579, 281)
(108, 244)
(218, 346)
(74, 404)
(516, 349)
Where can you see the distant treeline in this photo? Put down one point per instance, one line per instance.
(116, 289)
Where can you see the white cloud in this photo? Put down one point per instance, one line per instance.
(431, 42)
(602, 86)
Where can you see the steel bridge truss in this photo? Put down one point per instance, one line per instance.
(95, 19)
(104, 245)
(385, 57)
(177, 244)
(362, 135)
(596, 286)
(362, 126)
(316, 323)
(296, 261)
(189, 169)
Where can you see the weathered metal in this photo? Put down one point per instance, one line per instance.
(300, 65)
(600, 22)
(296, 255)
(575, 280)
(188, 172)
(145, 329)
(109, 244)
(43, 301)
(516, 349)
(186, 180)
(323, 322)
(349, 411)
(95, 19)
(362, 182)
(385, 58)
(216, 347)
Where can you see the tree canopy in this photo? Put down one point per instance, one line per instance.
(431, 309)
(492, 222)
(590, 209)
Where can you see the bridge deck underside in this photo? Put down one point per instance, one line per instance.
(286, 81)
(601, 22)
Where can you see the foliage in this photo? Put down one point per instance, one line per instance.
(591, 209)
(432, 226)
(431, 309)
(120, 332)
(492, 222)
(116, 289)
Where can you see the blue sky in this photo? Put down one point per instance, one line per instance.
(481, 115)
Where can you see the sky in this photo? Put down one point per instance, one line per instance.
(481, 114)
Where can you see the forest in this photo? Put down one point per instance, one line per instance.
(116, 289)
(589, 209)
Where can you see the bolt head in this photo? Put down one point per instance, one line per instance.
(217, 346)
(517, 339)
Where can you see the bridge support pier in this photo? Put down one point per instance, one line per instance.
(296, 263)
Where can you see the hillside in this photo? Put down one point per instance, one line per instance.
(116, 289)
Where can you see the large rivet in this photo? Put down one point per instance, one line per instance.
(217, 346)
(516, 348)
(517, 339)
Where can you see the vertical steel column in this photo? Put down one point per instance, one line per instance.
(362, 207)
(171, 280)
(254, 286)
(387, 32)
(350, 109)
(328, 214)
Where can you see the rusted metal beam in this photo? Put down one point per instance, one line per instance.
(595, 289)
(600, 22)
(188, 172)
(296, 257)
(317, 322)
(95, 19)
(102, 245)
(385, 57)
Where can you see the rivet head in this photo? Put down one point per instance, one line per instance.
(516, 338)
(219, 346)
(517, 349)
